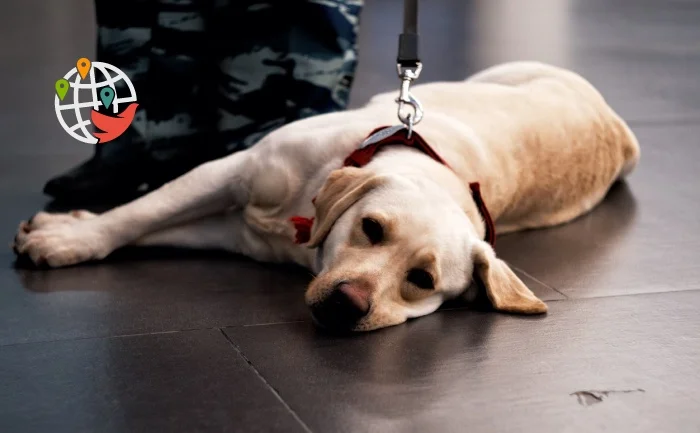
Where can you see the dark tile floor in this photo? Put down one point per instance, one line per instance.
(168, 341)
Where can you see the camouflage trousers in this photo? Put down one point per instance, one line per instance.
(214, 76)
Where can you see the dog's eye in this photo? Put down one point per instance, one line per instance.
(420, 278)
(373, 230)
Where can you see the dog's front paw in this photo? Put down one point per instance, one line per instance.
(44, 219)
(60, 240)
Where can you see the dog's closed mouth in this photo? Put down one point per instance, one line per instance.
(324, 328)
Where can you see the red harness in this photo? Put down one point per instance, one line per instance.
(379, 138)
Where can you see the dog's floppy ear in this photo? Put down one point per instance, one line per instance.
(342, 189)
(503, 288)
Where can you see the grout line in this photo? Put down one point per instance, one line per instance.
(107, 337)
(141, 334)
(624, 295)
(268, 384)
(541, 282)
(284, 322)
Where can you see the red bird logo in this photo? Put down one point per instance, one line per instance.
(113, 127)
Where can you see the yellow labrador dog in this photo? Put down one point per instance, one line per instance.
(394, 226)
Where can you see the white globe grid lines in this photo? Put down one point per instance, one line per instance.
(110, 78)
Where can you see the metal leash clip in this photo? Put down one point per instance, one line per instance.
(408, 66)
(407, 75)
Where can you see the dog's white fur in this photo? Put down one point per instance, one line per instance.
(541, 141)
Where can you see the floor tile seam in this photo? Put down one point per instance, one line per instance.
(622, 295)
(591, 298)
(267, 384)
(282, 322)
(540, 282)
(107, 337)
(139, 334)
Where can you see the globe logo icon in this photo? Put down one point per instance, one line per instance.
(95, 102)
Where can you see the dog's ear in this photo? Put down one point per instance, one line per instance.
(343, 188)
(503, 288)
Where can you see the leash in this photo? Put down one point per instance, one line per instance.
(409, 67)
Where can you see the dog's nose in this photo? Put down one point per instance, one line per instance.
(343, 307)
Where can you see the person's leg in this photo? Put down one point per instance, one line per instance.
(181, 115)
(274, 62)
(281, 61)
(161, 46)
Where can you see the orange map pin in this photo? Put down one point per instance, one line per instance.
(83, 67)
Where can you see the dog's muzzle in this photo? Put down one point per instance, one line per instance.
(344, 306)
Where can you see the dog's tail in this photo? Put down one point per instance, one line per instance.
(630, 151)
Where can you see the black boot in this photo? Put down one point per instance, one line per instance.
(125, 171)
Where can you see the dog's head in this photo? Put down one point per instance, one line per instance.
(393, 248)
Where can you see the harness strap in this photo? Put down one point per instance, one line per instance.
(396, 135)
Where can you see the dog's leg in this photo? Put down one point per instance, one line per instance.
(211, 232)
(66, 239)
(225, 231)
(229, 231)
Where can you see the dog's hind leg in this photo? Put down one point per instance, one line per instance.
(67, 239)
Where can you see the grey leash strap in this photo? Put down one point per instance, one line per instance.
(408, 67)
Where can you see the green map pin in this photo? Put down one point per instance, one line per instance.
(62, 87)
(106, 96)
